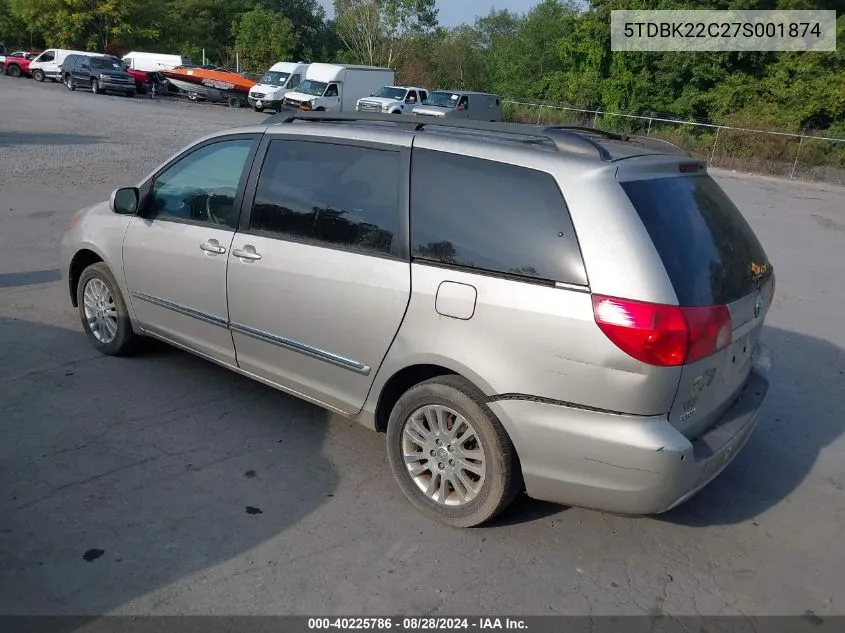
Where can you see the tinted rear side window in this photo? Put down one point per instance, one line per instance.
(491, 216)
(710, 252)
(331, 195)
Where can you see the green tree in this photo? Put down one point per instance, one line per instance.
(263, 38)
(316, 39)
(13, 31)
(377, 32)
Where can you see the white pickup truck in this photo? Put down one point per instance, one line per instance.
(393, 100)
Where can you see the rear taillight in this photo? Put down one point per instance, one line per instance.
(663, 335)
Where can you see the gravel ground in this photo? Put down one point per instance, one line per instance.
(124, 484)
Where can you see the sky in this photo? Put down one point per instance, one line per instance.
(454, 12)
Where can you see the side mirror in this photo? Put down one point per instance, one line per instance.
(410, 100)
(125, 201)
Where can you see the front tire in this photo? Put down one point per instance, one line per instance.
(449, 453)
(103, 312)
(38, 75)
(95, 86)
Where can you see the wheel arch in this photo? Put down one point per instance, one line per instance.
(399, 383)
(414, 371)
(82, 259)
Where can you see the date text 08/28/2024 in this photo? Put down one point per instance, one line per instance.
(416, 624)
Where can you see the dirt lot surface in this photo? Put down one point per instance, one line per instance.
(146, 466)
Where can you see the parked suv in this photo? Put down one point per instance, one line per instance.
(101, 74)
(568, 312)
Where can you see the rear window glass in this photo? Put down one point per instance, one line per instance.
(710, 252)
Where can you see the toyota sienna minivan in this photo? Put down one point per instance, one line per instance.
(565, 312)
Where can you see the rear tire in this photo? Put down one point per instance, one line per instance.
(68, 82)
(484, 442)
(38, 75)
(14, 70)
(103, 312)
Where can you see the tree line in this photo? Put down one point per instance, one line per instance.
(557, 53)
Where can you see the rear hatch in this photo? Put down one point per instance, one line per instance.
(712, 258)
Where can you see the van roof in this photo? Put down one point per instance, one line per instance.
(591, 143)
(351, 66)
(468, 92)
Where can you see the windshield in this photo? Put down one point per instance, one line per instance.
(105, 64)
(311, 87)
(273, 78)
(388, 92)
(442, 99)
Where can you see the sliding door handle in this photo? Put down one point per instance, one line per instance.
(247, 253)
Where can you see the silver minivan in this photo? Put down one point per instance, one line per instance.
(480, 106)
(570, 313)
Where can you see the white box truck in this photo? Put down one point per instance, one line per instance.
(333, 88)
(278, 81)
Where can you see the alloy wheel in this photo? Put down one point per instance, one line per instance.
(444, 455)
(100, 310)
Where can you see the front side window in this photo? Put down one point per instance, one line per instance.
(492, 217)
(333, 195)
(463, 104)
(331, 91)
(47, 56)
(201, 187)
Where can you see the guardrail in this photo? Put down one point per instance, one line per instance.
(800, 155)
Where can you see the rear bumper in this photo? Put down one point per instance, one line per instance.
(620, 463)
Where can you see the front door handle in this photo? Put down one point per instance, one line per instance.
(247, 252)
(212, 247)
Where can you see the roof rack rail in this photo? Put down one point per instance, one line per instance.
(571, 139)
(613, 136)
(565, 140)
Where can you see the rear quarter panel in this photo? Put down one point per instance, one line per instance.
(526, 339)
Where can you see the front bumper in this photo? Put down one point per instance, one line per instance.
(266, 104)
(117, 87)
(620, 463)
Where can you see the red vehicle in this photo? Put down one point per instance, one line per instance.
(17, 63)
(142, 79)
